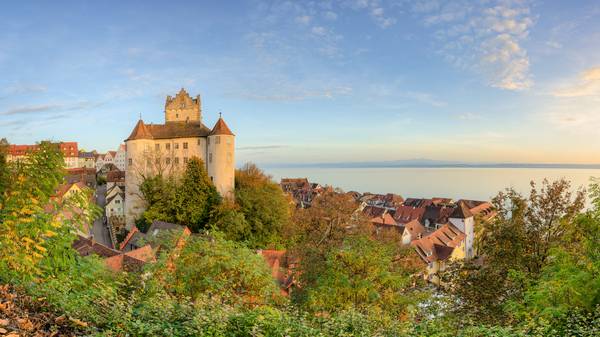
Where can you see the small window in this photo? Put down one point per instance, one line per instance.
(211, 178)
(168, 161)
(210, 157)
(176, 146)
(198, 141)
(176, 115)
(218, 140)
(185, 159)
(208, 140)
(176, 160)
(168, 146)
(157, 147)
(185, 145)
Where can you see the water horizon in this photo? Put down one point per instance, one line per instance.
(477, 183)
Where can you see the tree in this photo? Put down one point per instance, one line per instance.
(515, 247)
(35, 234)
(363, 275)
(188, 200)
(4, 174)
(264, 206)
(196, 196)
(223, 271)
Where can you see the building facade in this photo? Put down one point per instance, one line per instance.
(68, 149)
(153, 149)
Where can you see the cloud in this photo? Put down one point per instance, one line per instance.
(486, 37)
(51, 107)
(264, 147)
(303, 19)
(469, 116)
(291, 93)
(28, 109)
(587, 85)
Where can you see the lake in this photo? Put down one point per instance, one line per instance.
(456, 183)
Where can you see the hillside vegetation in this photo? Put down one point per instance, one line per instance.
(540, 275)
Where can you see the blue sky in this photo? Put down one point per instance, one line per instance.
(313, 81)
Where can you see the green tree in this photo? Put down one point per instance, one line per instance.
(196, 196)
(187, 200)
(264, 206)
(363, 275)
(216, 269)
(4, 173)
(515, 247)
(35, 231)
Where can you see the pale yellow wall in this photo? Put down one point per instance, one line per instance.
(147, 160)
(221, 163)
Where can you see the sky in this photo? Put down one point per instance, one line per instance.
(313, 81)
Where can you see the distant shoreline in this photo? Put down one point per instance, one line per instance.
(435, 165)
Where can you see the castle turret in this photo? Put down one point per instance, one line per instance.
(221, 158)
(463, 219)
(183, 108)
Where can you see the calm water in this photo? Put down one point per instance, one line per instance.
(456, 183)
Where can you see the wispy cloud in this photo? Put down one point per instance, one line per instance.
(483, 36)
(50, 107)
(264, 147)
(588, 84)
(294, 94)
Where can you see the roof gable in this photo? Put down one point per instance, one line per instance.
(221, 128)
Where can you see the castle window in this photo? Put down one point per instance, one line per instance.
(130, 162)
(176, 146)
(208, 140)
(185, 145)
(218, 140)
(198, 141)
(185, 159)
(176, 160)
(168, 146)
(210, 157)
(157, 147)
(168, 161)
(211, 178)
(176, 115)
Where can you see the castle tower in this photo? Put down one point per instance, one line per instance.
(463, 219)
(183, 108)
(221, 159)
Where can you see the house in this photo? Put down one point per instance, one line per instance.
(405, 214)
(115, 178)
(289, 185)
(436, 215)
(87, 160)
(136, 239)
(120, 156)
(166, 148)
(115, 260)
(82, 174)
(417, 203)
(115, 203)
(435, 249)
(61, 194)
(68, 149)
(413, 230)
(383, 220)
(302, 191)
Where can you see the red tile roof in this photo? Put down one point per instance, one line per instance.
(221, 128)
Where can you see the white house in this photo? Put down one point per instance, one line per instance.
(120, 157)
(115, 204)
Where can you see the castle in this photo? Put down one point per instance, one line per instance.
(166, 148)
